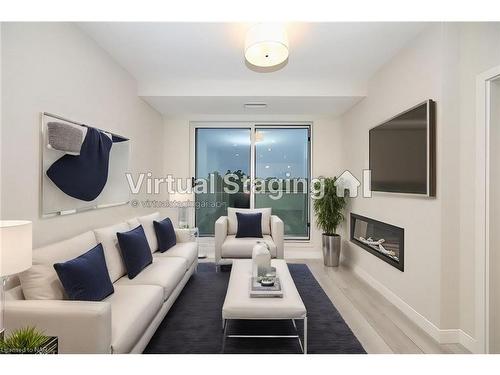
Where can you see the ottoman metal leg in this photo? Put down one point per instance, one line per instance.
(302, 344)
(224, 335)
(305, 335)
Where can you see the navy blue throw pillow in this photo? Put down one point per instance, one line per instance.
(135, 249)
(165, 234)
(249, 225)
(86, 277)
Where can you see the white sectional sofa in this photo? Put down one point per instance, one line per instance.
(126, 320)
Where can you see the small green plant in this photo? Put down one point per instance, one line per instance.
(328, 207)
(26, 340)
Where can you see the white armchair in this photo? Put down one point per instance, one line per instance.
(228, 247)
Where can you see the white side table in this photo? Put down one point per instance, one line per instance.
(195, 235)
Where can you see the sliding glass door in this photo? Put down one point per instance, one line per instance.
(220, 152)
(263, 166)
(282, 162)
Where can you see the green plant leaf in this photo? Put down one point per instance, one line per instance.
(329, 208)
(23, 340)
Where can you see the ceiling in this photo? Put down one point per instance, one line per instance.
(200, 68)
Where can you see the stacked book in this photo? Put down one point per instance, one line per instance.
(259, 291)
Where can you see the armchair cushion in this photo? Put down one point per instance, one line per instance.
(233, 222)
(242, 247)
(249, 225)
(86, 277)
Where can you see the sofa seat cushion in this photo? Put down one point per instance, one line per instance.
(133, 308)
(164, 272)
(185, 250)
(242, 247)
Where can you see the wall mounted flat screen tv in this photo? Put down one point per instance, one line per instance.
(402, 152)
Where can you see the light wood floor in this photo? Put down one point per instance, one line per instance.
(378, 324)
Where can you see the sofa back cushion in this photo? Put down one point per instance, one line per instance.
(148, 226)
(86, 277)
(233, 222)
(64, 250)
(107, 237)
(135, 251)
(41, 281)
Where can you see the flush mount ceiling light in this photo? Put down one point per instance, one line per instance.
(266, 45)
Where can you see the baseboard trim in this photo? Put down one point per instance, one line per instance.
(442, 336)
(469, 342)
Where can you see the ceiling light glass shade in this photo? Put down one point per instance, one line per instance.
(266, 45)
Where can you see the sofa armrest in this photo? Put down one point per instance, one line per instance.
(183, 235)
(81, 326)
(278, 235)
(220, 237)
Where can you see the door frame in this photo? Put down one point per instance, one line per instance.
(193, 125)
(482, 211)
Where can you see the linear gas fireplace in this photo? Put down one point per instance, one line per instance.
(383, 240)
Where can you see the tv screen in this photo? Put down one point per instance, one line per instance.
(402, 152)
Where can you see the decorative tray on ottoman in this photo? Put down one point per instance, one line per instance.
(257, 290)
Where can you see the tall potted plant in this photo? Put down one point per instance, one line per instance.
(329, 212)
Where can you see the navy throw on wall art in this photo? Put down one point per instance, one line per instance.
(84, 176)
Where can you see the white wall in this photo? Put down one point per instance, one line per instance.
(442, 63)
(413, 76)
(55, 67)
(326, 157)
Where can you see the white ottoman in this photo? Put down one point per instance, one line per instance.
(239, 305)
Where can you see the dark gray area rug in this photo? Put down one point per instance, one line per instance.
(193, 325)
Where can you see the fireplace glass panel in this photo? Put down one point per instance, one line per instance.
(383, 240)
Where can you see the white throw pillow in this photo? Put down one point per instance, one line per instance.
(233, 221)
(41, 282)
(114, 261)
(149, 229)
